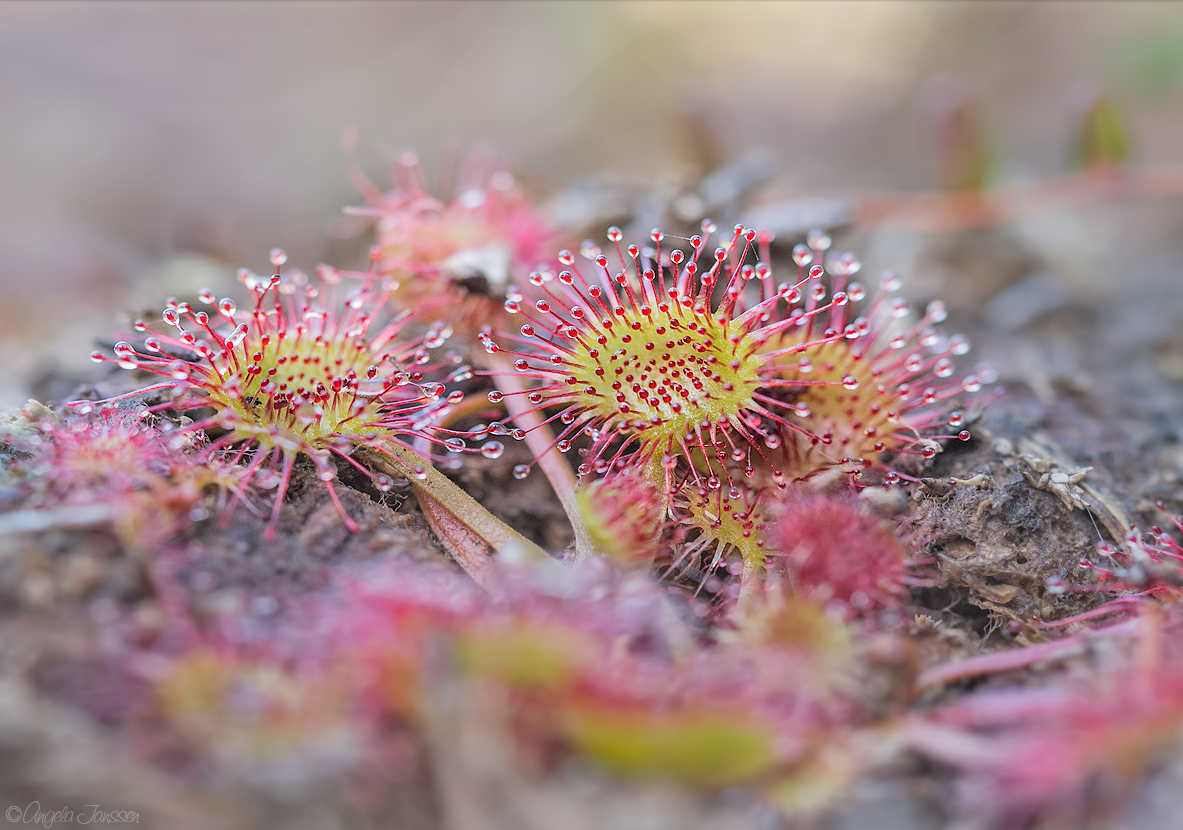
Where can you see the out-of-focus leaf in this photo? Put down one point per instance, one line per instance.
(709, 749)
(1100, 139)
(964, 158)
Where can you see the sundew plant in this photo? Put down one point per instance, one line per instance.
(661, 508)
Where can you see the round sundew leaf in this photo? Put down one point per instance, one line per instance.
(713, 749)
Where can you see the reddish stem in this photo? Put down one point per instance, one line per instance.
(540, 440)
(1006, 660)
(939, 211)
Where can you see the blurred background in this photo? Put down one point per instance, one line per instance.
(150, 148)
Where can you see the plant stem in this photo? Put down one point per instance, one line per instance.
(540, 439)
(505, 542)
(751, 585)
(1005, 660)
(945, 211)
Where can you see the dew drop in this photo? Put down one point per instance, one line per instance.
(846, 265)
(818, 240)
(520, 471)
(496, 397)
(278, 257)
(384, 483)
(492, 449)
